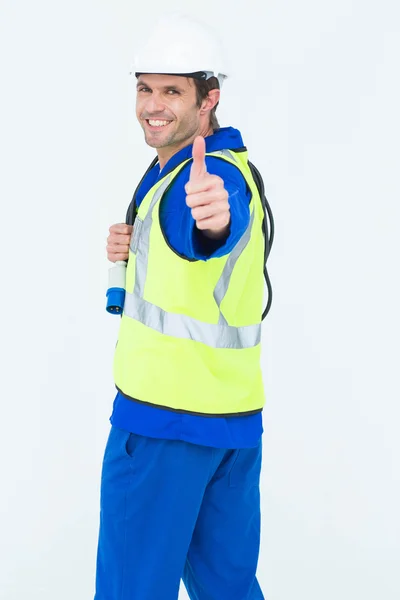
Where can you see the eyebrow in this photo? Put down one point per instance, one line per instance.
(141, 82)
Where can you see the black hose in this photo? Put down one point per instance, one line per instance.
(268, 231)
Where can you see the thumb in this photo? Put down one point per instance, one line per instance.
(198, 168)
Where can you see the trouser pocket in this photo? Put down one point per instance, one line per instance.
(120, 444)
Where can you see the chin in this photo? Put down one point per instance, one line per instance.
(153, 142)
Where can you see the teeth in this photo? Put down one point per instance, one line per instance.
(158, 123)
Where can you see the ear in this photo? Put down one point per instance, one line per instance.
(211, 100)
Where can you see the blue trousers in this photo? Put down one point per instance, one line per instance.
(172, 510)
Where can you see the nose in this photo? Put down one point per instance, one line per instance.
(154, 105)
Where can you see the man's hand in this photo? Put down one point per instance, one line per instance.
(118, 242)
(207, 196)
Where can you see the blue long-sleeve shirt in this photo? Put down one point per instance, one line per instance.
(183, 236)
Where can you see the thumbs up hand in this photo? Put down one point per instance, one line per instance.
(207, 196)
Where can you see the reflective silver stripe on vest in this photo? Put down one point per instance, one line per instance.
(223, 282)
(140, 242)
(226, 153)
(182, 326)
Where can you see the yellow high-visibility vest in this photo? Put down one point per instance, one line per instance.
(189, 337)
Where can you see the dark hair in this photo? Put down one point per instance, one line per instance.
(202, 88)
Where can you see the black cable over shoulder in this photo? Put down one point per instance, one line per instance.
(131, 212)
(268, 230)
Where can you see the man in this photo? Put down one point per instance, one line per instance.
(180, 494)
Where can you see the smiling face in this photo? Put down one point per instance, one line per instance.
(167, 110)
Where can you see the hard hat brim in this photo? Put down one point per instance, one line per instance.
(200, 75)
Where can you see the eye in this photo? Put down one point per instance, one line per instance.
(144, 89)
(172, 92)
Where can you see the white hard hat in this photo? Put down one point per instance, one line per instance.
(180, 45)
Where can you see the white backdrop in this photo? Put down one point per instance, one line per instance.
(315, 93)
